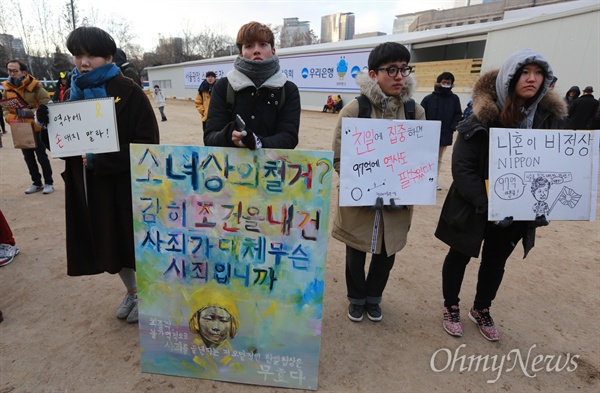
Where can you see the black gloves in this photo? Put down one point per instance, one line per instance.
(392, 206)
(42, 115)
(506, 222)
(251, 141)
(540, 221)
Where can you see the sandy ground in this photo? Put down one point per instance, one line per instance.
(60, 333)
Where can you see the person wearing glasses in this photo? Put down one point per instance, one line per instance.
(387, 86)
(23, 85)
(443, 105)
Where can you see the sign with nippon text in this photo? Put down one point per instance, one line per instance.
(84, 126)
(543, 172)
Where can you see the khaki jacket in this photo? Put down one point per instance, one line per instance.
(354, 225)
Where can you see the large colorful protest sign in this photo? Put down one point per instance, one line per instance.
(543, 172)
(392, 159)
(230, 252)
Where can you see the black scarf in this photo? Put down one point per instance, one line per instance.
(257, 71)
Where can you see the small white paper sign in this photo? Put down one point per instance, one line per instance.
(84, 126)
(543, 172)
(392, 159)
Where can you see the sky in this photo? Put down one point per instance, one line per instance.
(150, 18)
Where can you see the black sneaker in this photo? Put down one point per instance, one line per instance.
(374, 312)
(355, 312)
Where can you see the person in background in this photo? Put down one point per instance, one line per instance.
(99, 218)
(338, 104)
(468, 110)
(59, 93)
(572, 95)
(21, 84)
(262, 96)
(203, 96)
(380, 230)
(159, 99)
(120, 59)
(8, 246)
(445, 106)
(2, 124)
(515, 96)
(583, 110)
(329, 104)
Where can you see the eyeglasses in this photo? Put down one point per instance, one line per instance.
(393, 71)
(13, 71)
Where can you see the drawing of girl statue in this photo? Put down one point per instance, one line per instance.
(214, 319)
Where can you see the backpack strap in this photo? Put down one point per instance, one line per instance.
(410, 109)
(230, 98)
(364, 107)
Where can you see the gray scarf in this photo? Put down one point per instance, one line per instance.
(257, 71)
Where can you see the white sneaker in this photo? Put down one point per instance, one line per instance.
(48, 189)
(129, 301)
(133, 315)
(7, 254)
(33, 189)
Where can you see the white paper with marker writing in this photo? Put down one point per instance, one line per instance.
(392, 159)
(83, 126)
(549, 172)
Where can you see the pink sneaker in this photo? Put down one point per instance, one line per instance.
(452, 323)
(485, 322)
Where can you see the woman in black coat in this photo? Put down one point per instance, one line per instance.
(516, 96)
(99, 218)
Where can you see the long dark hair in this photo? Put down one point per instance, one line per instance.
(512, 114)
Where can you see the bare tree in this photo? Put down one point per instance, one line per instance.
(210, 42)
(23, 27)
(5, 16)
(70, 15)
(120, 29)
(45, 28)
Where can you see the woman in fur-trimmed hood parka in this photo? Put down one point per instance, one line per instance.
(382, 230)
(515, 96)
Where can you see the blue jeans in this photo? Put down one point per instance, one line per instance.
(42, 157)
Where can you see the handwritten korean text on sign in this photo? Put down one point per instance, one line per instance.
(230, 253)
(543, 172)
(392, 159)
(85, 126)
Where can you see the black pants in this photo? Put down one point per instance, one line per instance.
(367, 289)
(42, 157)
(498, 244)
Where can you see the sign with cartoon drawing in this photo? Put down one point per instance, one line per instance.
(543, 172)
(230, 249)
(393, 159)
